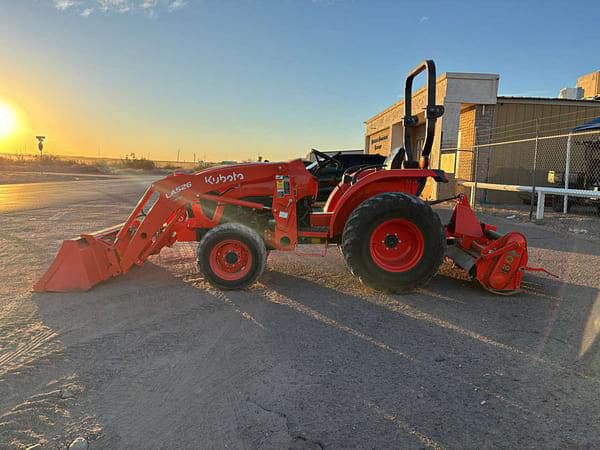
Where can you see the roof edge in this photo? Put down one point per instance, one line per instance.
(516, 99)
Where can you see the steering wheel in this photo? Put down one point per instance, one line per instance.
(323, 160)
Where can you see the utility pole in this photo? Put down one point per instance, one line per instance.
(178, 155)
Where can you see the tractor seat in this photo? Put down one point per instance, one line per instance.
(396, 160)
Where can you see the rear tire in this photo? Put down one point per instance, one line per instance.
(394, 242)
(232, 256)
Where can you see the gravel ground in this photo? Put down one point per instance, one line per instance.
(307, 358)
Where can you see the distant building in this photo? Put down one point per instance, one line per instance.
(590, 84)
(571, 93)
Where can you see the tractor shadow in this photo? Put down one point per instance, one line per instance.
(557, 323)
(551, 320)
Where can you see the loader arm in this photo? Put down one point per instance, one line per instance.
(145, 234)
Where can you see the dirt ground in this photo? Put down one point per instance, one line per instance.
(307, 358)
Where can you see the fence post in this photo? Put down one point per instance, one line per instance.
(535, 152)
(474, 188)
(567, 173)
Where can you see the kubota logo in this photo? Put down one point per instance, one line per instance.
(178, 189)
(220, 178)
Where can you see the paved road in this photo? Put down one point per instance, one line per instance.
(308, 358)
(18, 197)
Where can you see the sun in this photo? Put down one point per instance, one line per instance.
(8, 120)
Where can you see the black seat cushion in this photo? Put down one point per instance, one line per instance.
(410, 164)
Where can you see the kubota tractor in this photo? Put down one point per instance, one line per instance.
(390, 238)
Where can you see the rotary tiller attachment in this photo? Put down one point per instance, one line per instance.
(496, 261)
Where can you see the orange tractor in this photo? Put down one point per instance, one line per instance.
(390, 238)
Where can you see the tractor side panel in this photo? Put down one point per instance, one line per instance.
(364, 190)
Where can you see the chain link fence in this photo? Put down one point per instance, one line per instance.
(566, 160)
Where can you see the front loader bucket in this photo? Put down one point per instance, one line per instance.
(80, 264)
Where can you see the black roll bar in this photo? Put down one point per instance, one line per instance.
(410, 121)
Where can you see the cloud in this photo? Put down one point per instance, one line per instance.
(423, 19)
(119, 6)
(63, 5)
(176, 4)
(149, 4)
(148, 8)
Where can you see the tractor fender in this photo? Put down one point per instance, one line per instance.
(409, 181)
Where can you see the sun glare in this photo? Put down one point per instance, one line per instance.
(8, 120)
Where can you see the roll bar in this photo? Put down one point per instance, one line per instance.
(410, 121)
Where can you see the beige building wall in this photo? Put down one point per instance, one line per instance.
(466, 142)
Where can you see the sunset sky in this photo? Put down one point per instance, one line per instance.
(234, 79)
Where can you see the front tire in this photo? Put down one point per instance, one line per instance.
(394, 242)
(232, 256)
